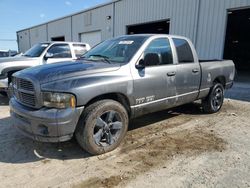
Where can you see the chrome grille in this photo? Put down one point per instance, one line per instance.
(24, 91)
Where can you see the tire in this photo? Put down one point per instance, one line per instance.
(214, 100)
(102, 127)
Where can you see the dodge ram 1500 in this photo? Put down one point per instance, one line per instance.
(94, 97)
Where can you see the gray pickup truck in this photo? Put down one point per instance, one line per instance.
(94, 97)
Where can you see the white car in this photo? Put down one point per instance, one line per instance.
(39, 54)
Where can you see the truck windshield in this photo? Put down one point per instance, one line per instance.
(117, 50)
(36, 50)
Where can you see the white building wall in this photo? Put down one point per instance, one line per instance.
(60, 28)
(93, 20)
(38, 34)
(23, 40)
(182, 15)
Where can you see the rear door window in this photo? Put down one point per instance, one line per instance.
(184, 51)
(79, 49)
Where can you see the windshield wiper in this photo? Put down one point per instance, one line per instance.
(103, 57)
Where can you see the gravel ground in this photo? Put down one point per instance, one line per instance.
(177, 148)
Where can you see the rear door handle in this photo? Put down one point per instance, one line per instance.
(171, 73)
(195, 70)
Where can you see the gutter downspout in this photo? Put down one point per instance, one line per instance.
(113, 33)
(198, 7)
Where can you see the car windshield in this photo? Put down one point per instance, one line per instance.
(36, 50)
(117, 50)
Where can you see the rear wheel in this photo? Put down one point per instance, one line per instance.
(102, 127)
(214, 101)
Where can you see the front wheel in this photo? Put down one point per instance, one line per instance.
(102, 127)
(214, 101)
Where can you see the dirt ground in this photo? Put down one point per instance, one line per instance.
(177, 148)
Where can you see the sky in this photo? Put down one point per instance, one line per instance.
(20, 14)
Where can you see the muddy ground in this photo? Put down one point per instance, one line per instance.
(177, 148)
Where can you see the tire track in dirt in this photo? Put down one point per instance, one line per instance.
(150, 147)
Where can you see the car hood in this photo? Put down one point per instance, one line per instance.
(63, 70)
(13, 59)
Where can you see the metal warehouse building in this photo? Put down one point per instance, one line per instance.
(218, 28)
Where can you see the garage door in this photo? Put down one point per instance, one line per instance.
(92, 38)
(237, 44)
(161, 27)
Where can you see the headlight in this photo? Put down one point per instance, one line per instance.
(59, 100)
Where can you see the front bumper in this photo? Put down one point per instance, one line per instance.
(3, 84)
(45, 125)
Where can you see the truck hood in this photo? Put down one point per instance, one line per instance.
(14, 59)
(63, 70)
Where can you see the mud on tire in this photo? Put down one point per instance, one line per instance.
(214, 101)
(102, 127)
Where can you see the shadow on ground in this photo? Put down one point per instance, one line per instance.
(239, 91)
(241, 88)
(15, 148)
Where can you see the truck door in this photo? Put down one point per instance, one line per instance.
(188, 73)
(155, 82)
(58, 53)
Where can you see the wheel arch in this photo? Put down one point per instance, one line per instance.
(221, 80)
(119, 97)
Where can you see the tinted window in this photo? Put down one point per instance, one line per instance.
(184, 51)
(117, 50)
(161, 47)
(79, 49)
(60, 51)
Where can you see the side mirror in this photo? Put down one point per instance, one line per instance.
(48, 55)
(141, 64)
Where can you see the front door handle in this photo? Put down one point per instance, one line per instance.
(195, 70)
(171, 73)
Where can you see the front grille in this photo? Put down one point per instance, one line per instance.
(26, 85)
(24, 91)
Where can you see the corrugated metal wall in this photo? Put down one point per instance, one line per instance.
(212, 26)
(38, 34)
(23, 40)
(59, 28)
(182, 14)
(98, 22)
(203, 21)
